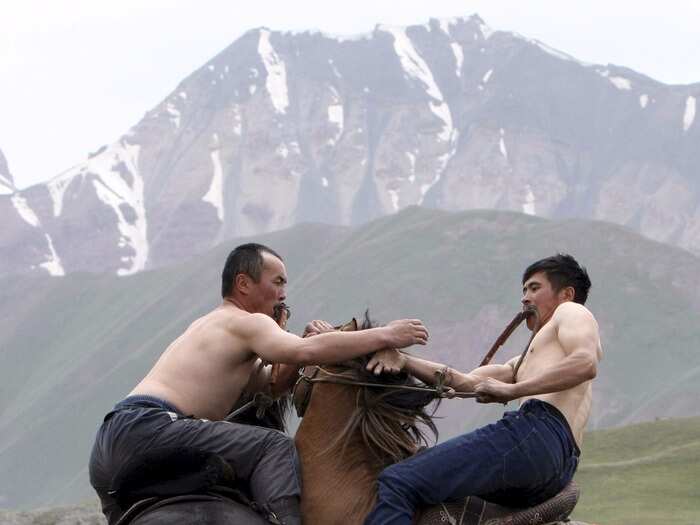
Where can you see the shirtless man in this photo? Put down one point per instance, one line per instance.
(532, 453)
(200, 376)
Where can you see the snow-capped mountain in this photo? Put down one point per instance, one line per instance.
(281, 128)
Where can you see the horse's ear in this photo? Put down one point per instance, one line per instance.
(350, 326)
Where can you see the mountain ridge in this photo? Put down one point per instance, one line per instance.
(281, 128)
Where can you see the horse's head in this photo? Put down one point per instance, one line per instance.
(390, 421)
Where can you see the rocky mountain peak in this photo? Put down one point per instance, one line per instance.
(288, 127)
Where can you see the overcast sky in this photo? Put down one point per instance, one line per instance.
(76, 74)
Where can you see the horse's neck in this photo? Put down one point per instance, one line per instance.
(338, 487)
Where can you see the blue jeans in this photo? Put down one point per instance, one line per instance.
(521, 460)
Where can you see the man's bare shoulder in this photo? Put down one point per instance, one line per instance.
(245, 323)
(571, 311)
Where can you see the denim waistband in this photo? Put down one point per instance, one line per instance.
(142, 401)
(537, 405)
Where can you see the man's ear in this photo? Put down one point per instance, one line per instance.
(242, 283)
(568, 293)
(350, 326)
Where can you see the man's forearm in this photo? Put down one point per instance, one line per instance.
(570, 372)
(426, 371)
(335, 347)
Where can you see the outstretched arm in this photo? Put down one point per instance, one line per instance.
(393, 361)
(262, 335)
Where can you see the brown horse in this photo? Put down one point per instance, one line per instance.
(349, 433)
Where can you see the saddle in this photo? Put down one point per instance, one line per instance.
(476, 511)
(167, 474)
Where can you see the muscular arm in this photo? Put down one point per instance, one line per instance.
(262, 335)
(577, 333)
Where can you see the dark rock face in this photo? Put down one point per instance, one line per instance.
(281, 128)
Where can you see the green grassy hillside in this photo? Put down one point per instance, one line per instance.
(645, 474)
(71, 347)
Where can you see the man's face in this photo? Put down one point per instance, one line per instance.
(538, 292)
(271, 290)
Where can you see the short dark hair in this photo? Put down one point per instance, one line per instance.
(562, 270)
(247, 259)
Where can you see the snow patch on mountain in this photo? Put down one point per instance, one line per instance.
(621, 83)
(333, 68)
(412, 63)
(174, 114)
(237, 120)
(443, 161)
(6, 187)
(336, 117)
(643, 100)
(487, 76)
(689, 113)
(115, 191)
(414, 66)
(459, 57)
(57, 189)
(282, 150)
(53, 263)
(486, 31)
(276, 81)
(394, 196)
(411, 167)
(215, 194)
(22, 207)
(551, 51)
(502, 145)
(529, 204)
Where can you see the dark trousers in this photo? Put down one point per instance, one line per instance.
(523, 459)
(265, 458)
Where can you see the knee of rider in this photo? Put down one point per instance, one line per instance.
(281, 441)
(391, 480)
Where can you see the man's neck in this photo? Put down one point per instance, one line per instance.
(237, 303)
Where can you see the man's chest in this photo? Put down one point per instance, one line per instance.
(544, 350)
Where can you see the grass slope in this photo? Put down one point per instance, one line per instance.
(643, 474)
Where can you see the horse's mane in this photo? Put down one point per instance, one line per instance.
(393, 423)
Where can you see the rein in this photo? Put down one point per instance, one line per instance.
(530, 311)
(439, 390)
